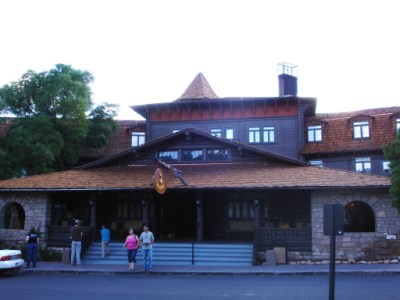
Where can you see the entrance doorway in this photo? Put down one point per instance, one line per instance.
(176, 218)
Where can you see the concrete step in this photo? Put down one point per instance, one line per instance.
(179, 254)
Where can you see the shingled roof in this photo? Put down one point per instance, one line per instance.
(337, 130)
(199, 176)
(199, 88)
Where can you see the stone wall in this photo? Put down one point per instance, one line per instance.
(36, 207)
(355, 245)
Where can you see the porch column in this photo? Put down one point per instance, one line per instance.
(93, 211)
(145, 209)
(199, 217)
(256, 213)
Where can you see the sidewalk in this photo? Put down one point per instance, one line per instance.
(341, 269)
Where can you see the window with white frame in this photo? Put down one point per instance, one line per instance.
(386, 168)
(314, 133)
(138, 138)
(363, 164)
(229, 133)
(397, 125)
(269, 134)
(216, 132)
(361, 130)
(254, 135)
(317, 163)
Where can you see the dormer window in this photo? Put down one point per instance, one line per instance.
(314, 133)
(361, 130)
(138, 138)
(168, 155)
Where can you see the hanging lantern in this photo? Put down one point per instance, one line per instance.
(159, 182)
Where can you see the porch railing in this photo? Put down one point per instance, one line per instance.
(293, 239)
(60, 236)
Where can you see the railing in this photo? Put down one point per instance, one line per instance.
(60, 236)
(293, 239)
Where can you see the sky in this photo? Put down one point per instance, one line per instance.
(347, 51)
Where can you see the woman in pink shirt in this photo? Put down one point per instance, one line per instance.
(132, 244)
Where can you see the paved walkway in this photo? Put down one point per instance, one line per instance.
(353, 269)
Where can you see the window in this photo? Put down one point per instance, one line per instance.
(363, 164)
(269, 134)
(216, 132)
(241, 210)
(317, 163)
(359, 217)
(175, 130)
(217, 154)
(314, 133)
(12, 216)
(138, 138)
(192, 155)
(361, 130)
(254, 134)
(386, 168)
(397, 125)
(168, 155)
(230, 133)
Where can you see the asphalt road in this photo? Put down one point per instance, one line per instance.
(75, 286)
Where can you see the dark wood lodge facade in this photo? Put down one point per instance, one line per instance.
(247, 181)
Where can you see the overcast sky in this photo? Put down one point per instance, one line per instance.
(347, 52)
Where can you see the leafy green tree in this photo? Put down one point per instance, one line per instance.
(392, 153)
(55, 118)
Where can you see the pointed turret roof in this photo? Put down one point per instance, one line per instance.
(198, 89)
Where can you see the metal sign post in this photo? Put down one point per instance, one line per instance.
(333, 226)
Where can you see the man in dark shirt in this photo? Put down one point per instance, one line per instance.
(76, 245)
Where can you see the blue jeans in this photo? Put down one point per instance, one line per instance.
(76, 247)
(147, 253)
(32, 249)
(132, 255)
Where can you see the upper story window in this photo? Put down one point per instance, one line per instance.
(254, 135)
(361, 130)
(314, 133)
(386, 168)
(217, 154)
(269, 134)
(216, 132)
(168, 155)
(317, 163)
(363, 164)
(138, 138)
(229, 133)
(397, 125)
(192, 155)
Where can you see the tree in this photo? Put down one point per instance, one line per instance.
(392, 153)
(55, 119)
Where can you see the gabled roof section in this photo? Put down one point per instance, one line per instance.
(199, 88)
(158, 143)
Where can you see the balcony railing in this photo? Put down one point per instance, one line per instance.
(60, 236)
(293, 239)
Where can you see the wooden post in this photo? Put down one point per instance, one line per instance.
(93, 210)
(199, 216)
(145, 210)
(256, 228)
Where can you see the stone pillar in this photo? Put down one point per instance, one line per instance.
(145, 209)
(199, 216)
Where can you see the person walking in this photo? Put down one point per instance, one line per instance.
(105, 241)
(147, 240)
(76, 245)
(131, 244)
(32, 246)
